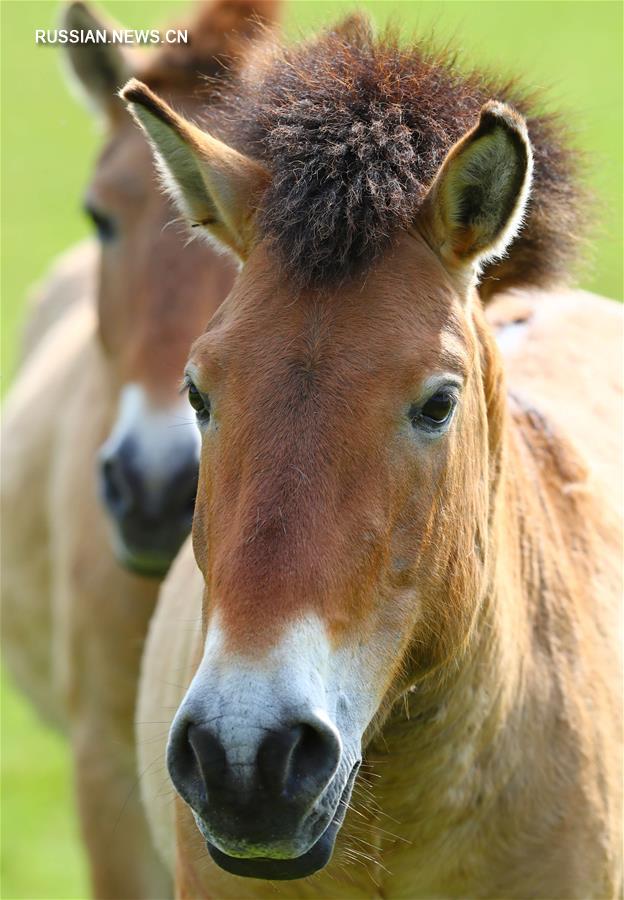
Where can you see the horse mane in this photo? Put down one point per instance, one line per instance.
(353, 128)
(221, 34)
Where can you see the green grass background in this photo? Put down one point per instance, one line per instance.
(48, 144)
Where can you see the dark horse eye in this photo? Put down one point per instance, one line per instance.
(438, 408)
(435, 412)
(198, 402)
(104, 225)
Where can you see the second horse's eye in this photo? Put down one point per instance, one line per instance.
(198, 402)
(104, 225)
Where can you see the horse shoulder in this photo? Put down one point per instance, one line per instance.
(30, 424)
(100, 615)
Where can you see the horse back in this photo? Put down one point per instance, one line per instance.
(563, 356)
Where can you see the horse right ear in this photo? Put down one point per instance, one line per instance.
(477, 202)
(99, 68)
(214, 185)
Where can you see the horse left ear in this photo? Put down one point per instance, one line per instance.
(99, 69)
(477, 202)
(214, 185)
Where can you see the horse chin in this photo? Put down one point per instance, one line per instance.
(150, 559)
(146, 565)
(313, 860)
(147, 569)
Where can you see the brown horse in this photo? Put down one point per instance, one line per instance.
(109, 340)
(408, 552)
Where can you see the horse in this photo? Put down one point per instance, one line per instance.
(406, 672)
(99, 486)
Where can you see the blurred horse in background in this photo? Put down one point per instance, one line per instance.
(409, 541)
(99, 479)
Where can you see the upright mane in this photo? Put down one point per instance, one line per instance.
(353, 130)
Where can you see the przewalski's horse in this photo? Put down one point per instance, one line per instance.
(403, 554)
(149, 304)
(74, 622)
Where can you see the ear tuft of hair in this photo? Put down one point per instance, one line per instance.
(137, 92)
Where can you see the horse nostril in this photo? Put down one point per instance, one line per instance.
(299, 761)
(177, 500)
(114, 486)
(317, 753)
(209, 755)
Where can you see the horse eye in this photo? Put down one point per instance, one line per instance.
(198, 402)
(435, 412)
(438, 408)
(104, 225)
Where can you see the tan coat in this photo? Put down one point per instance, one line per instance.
(63, 593)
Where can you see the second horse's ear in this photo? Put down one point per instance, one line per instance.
(477, 202)
(215, 186)
(100, 69)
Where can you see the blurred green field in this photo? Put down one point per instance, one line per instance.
(48, 146)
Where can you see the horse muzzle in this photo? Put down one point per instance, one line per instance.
(268, 799)
(150, 518)
(287, 869)
(147, 472)
(265, 749)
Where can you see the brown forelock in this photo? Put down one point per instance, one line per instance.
(157, 288)
(354, 129)
(312, 496)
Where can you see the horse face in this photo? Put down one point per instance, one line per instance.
(341, 524)
(344, 463)
(155, 295)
